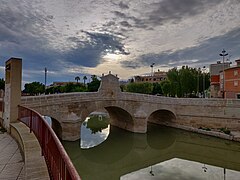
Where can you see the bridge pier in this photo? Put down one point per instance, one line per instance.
(140, 125)
(71, 130)
(140, 121)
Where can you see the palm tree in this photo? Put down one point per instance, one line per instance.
(84, 80)
(77, 78)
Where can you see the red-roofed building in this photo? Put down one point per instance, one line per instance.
(215, 70)
(225, 84)
(232, 81)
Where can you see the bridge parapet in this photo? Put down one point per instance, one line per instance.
(132, 111)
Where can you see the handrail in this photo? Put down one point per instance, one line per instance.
(58, 163)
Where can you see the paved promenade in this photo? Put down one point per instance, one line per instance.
(11, 161)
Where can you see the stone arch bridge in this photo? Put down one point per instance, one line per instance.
(132, 111)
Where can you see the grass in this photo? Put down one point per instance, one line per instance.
(206, 129)
(225, 130)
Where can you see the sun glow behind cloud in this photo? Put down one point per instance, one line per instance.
(76, 37)
(112, 57)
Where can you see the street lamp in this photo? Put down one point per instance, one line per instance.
(203, 69)
(223, 54)
(45, 82)
(152, 68)
(198, 82)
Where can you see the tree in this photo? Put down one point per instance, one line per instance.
(175, 85)
(77, 78)
(69, 87)
(34, 88)
(186, 82)
(157, 89)
(94, 84)
(84, 80)
(166, 87)
(144, 88)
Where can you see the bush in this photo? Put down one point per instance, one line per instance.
(206, 129)
(225, 130)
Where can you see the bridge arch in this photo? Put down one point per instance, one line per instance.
(162, 116)
(57, 127)
(120, 117)
(55, 124)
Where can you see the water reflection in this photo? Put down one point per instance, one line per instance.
(94, 130)
(48, 120)
(176, 169)
(125, 152)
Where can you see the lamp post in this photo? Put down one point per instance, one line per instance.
(45, 82)
(198, 82)
(203, 70)
(223, 54)
(152, 68)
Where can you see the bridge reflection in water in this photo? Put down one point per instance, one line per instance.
(124, 152)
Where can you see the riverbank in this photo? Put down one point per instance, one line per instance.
(233, 135)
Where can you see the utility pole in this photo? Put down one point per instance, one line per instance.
(198, 72)
(223, 54)
(45, 82)
(152, 68)
(203, 70)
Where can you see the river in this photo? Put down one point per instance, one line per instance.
(106, 152)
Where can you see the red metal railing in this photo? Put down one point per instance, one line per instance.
(59, 164)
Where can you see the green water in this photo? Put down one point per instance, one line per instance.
(171, 153)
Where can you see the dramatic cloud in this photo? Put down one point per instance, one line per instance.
(78, 37)
(88, 53)
(174, 10)
(204, 54)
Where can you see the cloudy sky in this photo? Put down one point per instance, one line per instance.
(77, 37)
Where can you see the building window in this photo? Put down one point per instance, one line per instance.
(235, 83)
(235, 72)
(146, 79)
(238, 96)
(154, 79)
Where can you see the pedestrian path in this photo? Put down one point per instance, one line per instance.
(11, 161)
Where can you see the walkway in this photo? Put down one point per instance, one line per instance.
(11, 161)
